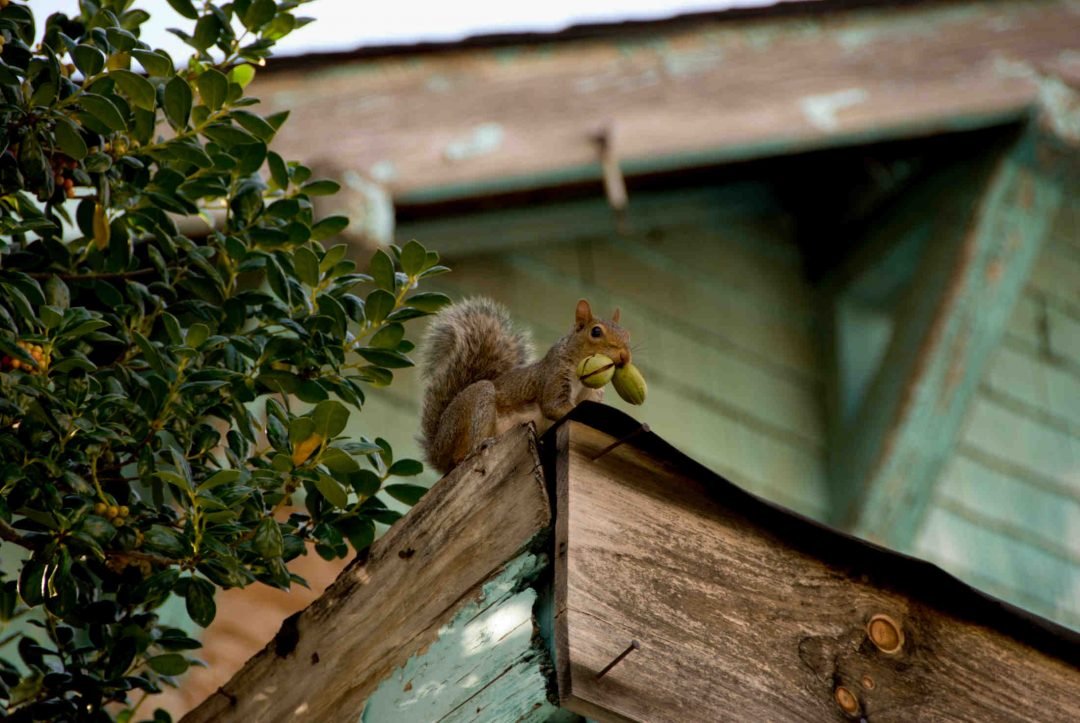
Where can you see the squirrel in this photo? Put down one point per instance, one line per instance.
(481, 380)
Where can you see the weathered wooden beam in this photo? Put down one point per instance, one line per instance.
(471, 121)
(326, 661)
(975, 261)
(745, 611)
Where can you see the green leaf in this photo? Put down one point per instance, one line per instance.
(227, 135)
(382, 270)
(412, 258)
(268, 540)
(378, 304)
(254, 125)
(185, 8)
(279, 173)
(50, 317)
(339, 461)
(242, 75)
(259, 13)
(140, 90)
(406, 468)
(385, 358)
(156, 64)
(323, 187)
(307, 266)
(196, 335)
(88, 59)
(200, 602)
(207, 31)
(388, 337)
(300, 429)
(168, 664)
(329, 418)
(280, 26)
(332, 490)
(213, 87)
(409, 494)
(174, 479)
(359, 531)
(333, 255)
(150, 352)
(69, 139)
(178, 99)
(104, 110)
(221, 477)
(329, 226)
(164, 540)
(429, 301)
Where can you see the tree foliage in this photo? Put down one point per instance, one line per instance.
(165, 395)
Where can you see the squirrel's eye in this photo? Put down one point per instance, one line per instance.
(597, 332)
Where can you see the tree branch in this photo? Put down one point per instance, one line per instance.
(10, 534)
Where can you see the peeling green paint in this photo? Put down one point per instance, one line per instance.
(489, 662)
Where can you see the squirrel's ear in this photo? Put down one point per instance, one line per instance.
(615, 316)
(583, 314)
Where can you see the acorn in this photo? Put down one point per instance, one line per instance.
(630, 384)
(595, 370)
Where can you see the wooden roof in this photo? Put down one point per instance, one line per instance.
(738, 606)
(465, 120)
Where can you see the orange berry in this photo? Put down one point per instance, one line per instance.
(124, 511)
(113, 511)
(100, 508)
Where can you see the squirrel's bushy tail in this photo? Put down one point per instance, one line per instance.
(468, 341)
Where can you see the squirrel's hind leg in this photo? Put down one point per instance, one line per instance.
(469, 420)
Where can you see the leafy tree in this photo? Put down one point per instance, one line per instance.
(165, 395)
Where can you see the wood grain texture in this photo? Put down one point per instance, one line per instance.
(746, 612)
(470, 121)
(326, 661)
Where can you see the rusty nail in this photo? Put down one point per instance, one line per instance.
(885, 633)
(634, 645)
(846, 700)
(644, 428)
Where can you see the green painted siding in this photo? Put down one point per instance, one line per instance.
(1006, 512)
(711, 289)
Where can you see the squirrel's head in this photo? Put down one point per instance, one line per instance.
(602, 336)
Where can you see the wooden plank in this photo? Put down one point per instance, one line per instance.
(745, 612)
(1045, 451)
(470, 121)
(326, 661)
(1037, 383)
(1017, 509)
(1020, 573)
(488, 663)
(971, 275)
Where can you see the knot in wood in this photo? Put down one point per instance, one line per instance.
(885, 634)
(846, 700)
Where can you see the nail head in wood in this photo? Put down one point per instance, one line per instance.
(643, 429)
(885, 633)
(634, 645)
(846, 700)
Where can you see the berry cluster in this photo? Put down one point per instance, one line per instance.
(116, 513)
(62, 166)
(36, 352)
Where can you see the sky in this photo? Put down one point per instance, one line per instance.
(348, 24)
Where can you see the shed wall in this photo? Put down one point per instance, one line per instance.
(1006, 511)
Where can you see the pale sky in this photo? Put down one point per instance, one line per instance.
(348, 24)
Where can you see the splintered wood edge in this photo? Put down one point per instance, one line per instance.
(244, 695)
